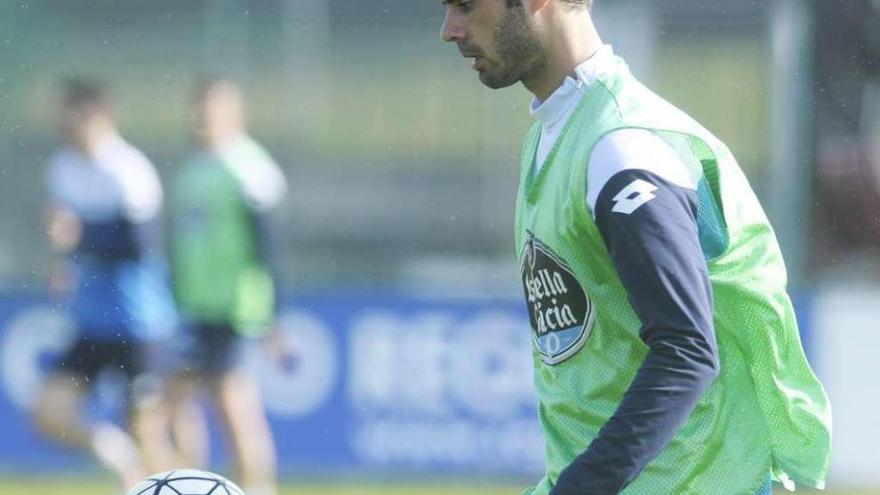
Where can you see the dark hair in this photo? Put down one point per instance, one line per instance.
(204, 83)
(207, 83)
(573, 4)
(78, 92)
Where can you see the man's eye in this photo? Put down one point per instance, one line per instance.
(464, 6)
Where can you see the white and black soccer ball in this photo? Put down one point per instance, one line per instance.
(186, 482)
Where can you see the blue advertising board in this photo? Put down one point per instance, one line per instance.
(372, 383)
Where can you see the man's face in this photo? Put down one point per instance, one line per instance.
(83, 124)
(217, 115)
(499, 38)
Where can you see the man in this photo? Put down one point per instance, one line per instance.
(667, 357)
(222, 275)
(104, 199)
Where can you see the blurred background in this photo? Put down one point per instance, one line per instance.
(400, 292)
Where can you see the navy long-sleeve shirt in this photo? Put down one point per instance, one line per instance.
(645, 204)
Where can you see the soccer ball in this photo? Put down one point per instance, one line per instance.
(186, 482)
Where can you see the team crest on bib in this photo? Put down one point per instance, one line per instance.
(560, 313)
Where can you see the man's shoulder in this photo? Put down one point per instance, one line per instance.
(123, 153)
(635, 149)
(246, 148)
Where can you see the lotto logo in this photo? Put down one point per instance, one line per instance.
(637, 193)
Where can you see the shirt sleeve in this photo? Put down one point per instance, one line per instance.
(142, 193)
(644, 203)
(262, 181)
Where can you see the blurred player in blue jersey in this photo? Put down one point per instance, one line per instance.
(223, 280)
(104, 198)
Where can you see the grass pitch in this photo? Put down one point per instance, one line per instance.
(60, 486)
(65, 486)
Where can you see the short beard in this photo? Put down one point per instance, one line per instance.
(520, 51)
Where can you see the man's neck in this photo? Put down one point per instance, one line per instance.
(573, 41)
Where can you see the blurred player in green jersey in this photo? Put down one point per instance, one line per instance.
(666, 352)
(222, 278)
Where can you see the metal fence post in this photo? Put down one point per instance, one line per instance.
(789, 190)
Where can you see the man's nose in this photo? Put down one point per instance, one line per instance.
(452, 30)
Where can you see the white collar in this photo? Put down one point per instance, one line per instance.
(586, 73)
